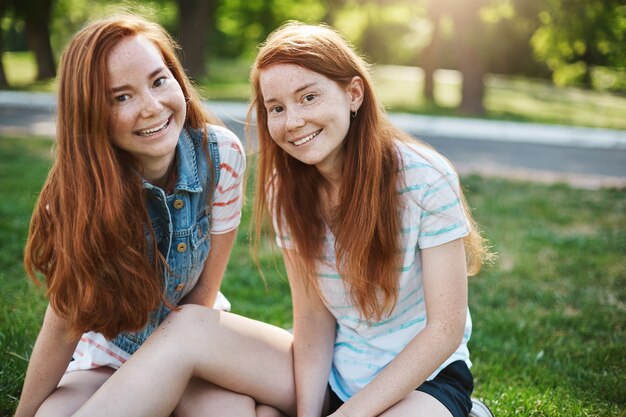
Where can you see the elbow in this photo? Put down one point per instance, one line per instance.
(449, 333)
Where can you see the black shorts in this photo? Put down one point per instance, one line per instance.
(452, 387)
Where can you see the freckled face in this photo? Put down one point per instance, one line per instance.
(308, 114)
(148, 105)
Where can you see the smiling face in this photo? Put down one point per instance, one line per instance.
(308, 114)
(148, 105)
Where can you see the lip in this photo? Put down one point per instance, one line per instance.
(304, 139)
(154, 130)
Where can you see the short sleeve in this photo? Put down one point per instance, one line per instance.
(226, 210)
(436, 190)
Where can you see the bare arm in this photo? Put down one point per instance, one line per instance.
(205, 291)
(51, 355)
(314, 339)
(445, 294)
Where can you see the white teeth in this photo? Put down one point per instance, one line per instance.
(306, 139)
(154, 130)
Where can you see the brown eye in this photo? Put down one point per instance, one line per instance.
(160, 81)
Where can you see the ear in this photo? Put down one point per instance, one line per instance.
(355, 92)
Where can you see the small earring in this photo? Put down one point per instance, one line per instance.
(353, 114)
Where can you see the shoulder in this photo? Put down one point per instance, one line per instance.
(226, 140)
(422, 163)
(231, 152)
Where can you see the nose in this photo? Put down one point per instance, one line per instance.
(150, 105)
(294, 120)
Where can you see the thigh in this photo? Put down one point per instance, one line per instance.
(417, 404)
(239, 354)
(74, 389)
(202, 398)
(263, 410)
(233, 352)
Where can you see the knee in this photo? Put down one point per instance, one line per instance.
(186, 330)
(190, 317)
(194, 313)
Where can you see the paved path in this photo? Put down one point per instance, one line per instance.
(584, 157)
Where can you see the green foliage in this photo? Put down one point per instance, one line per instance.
(70, 15)
(575, 35)
(574, 42)
(243, 24)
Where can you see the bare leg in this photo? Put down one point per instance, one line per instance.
(234, 352)
(263, 410)
(417, 404)
(74, 390)
(204, 399)
(199, 399)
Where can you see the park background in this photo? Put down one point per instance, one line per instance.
(549, 315)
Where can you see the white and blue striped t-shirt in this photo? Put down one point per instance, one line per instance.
(432, 215)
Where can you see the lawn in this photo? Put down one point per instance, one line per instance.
(549, 316)
(400, 89)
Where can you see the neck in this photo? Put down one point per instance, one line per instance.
(159, 173)
(332, 171)
(331, 188)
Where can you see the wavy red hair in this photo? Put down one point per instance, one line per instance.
(87, 232)
(369, 202)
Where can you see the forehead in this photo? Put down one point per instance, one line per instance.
(278, 79)
(133, 55)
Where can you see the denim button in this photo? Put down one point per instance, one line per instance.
(181, 247)
(178, 204)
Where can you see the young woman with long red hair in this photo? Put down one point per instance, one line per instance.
(376, 236)
(138, 215)
(378, 243)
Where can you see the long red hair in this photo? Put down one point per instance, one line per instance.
(87, 232)
(367, 223)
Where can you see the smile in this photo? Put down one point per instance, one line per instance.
(152, 131)
(305, 139)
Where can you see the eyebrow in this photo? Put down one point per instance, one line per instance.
(304, 87)
(126, 86)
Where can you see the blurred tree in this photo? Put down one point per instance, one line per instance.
(243, 24)
(468, 39)
(331, 9)
(36, 15)
(196, 24)
(430, 57)
(511, 24)
(576, 35)
(4, 83)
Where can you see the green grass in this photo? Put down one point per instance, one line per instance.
(400, 89)
(549, 317)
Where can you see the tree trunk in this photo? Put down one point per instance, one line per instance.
(332, 7)
(196, 22)
(467, 27)
(430, 61)
(4, 83)
(431, 55)
(38, 38)
(473, 89)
